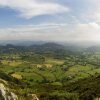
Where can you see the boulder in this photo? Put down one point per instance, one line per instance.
(32, 97)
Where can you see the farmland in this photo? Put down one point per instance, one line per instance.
(51, 68)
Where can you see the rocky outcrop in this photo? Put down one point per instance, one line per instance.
(6, 94)
(97, 98)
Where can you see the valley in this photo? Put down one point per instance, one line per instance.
(51, 71)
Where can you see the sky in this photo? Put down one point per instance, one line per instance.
(50, 20)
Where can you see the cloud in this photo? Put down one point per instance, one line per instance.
(86, 32)
(34, 32)
(54, 32)
(92, 11)
(82, 23)
(31, 8)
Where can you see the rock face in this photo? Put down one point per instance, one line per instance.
(32, 97)
(6, 94)
(97, 98)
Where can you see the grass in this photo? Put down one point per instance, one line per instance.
(18, 76)
(51, 70)
(54, 61)
(33, 74)
(11, 63)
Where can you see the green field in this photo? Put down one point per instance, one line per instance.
(49, 74)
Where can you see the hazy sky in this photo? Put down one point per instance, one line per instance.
(55, 20)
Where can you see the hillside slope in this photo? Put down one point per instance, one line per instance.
(88, 89)
(13, 89)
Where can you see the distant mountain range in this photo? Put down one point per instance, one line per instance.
(21, 43)
(38, 42)
(49, 49)
(43, 47)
